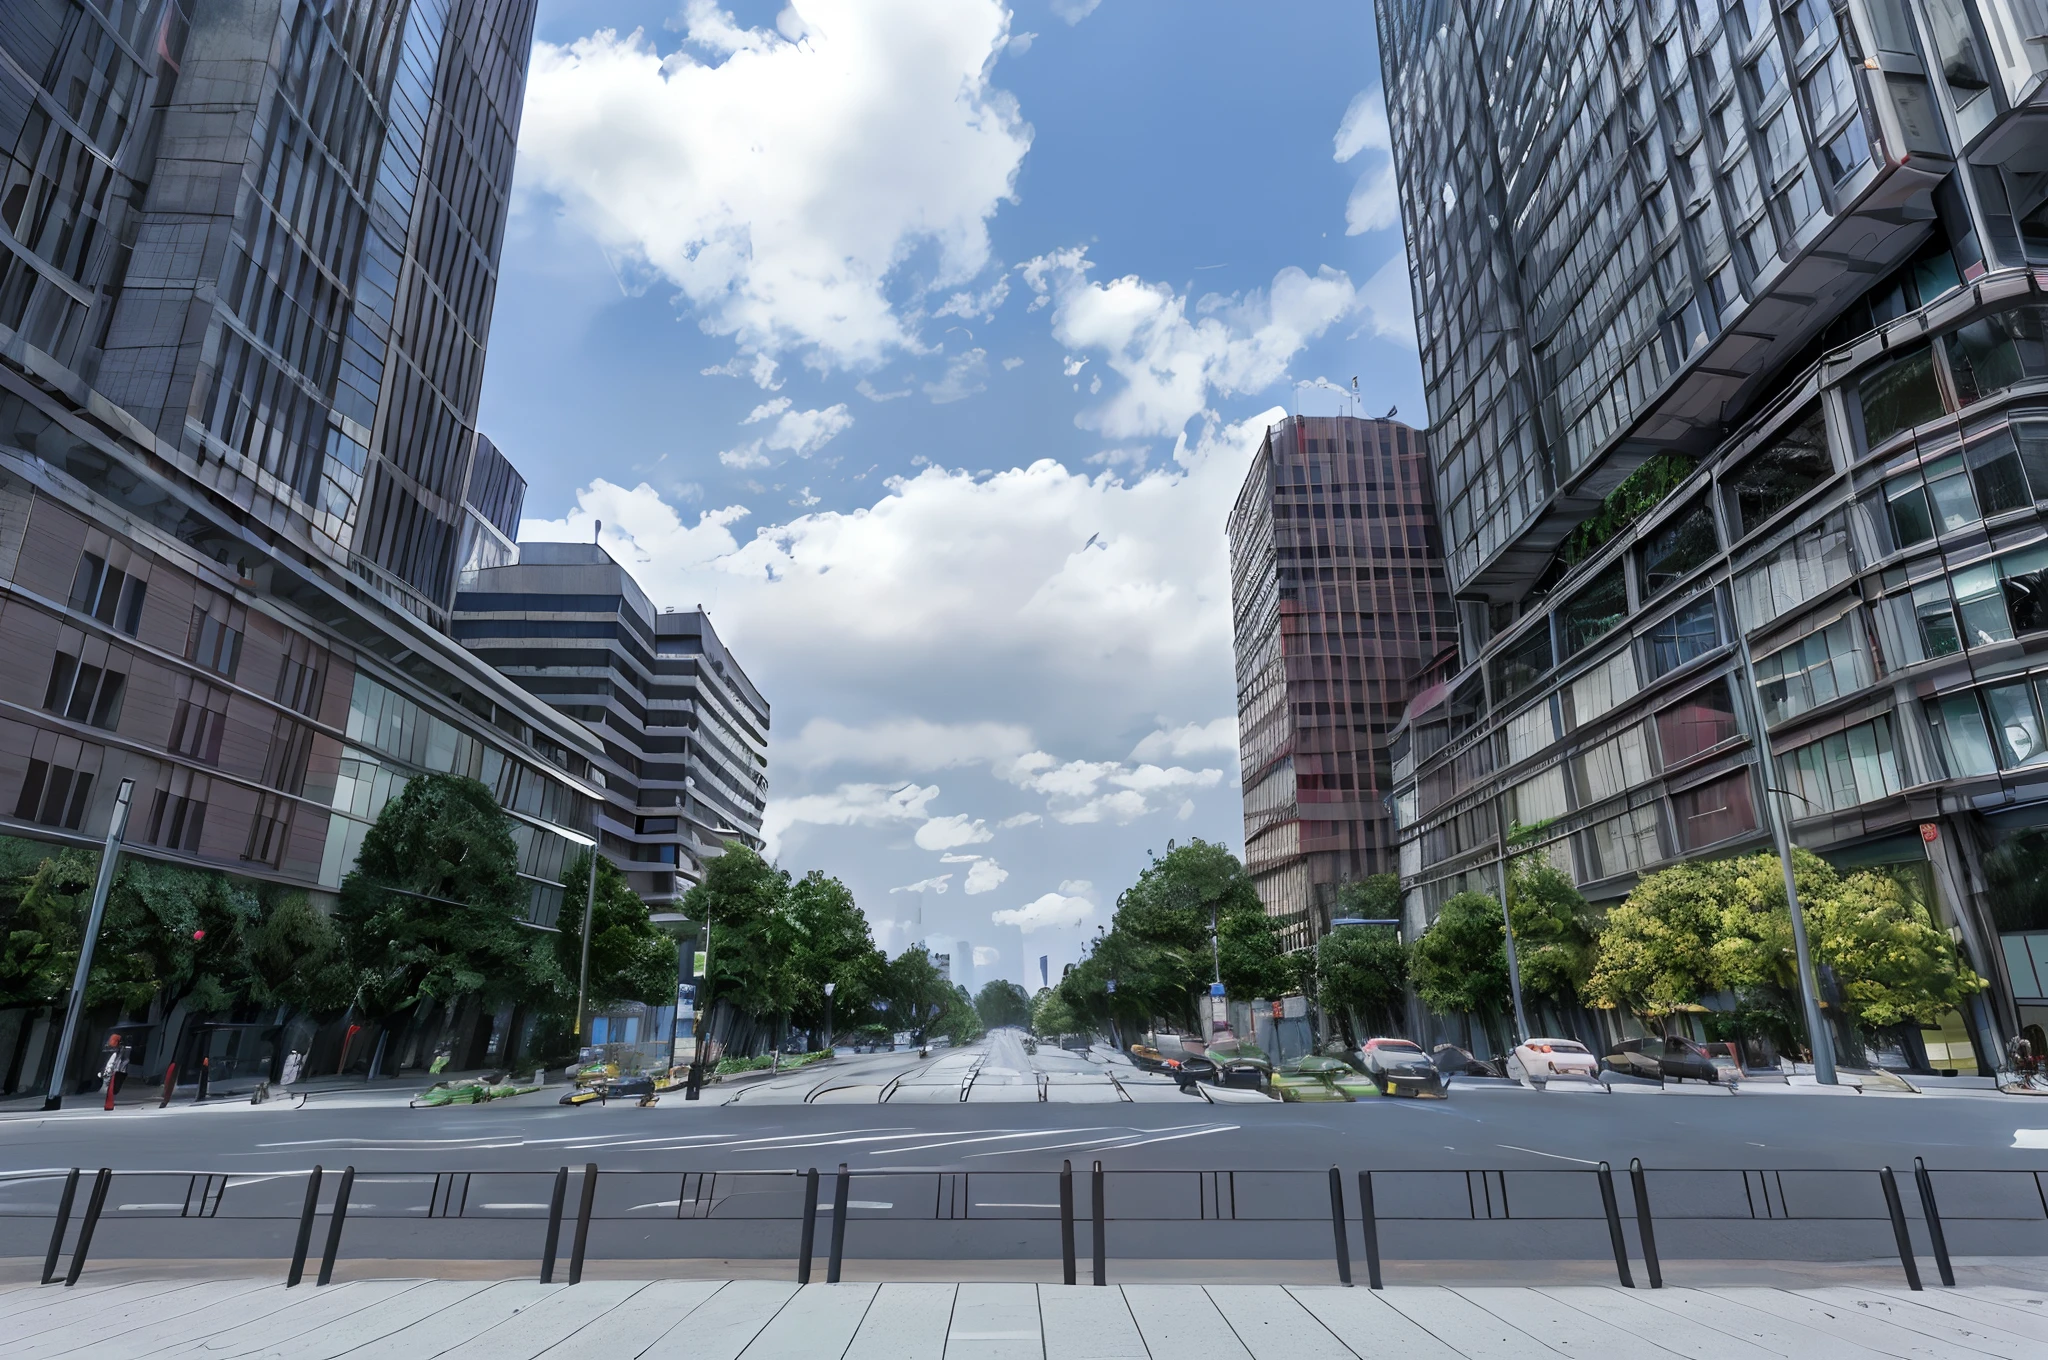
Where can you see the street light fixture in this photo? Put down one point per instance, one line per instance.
(830, 987)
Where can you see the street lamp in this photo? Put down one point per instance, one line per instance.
(830, 987)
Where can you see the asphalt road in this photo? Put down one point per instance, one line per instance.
(1491, 1172)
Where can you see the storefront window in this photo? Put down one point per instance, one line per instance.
(1899, 395)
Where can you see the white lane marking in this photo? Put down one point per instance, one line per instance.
(138, 1208)
(1100, 1144)
(528, 1206)
(1198, 1133)
(858, 1204)
(2030, 1138)
(1535, 1152)
(991, 1138)
(1008, 1204)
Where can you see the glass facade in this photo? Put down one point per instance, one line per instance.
(1794, 245)
(1339, 604)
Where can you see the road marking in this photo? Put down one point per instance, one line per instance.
(138, 1208)
(991, 1138)
(1198, 1133)
(1582, 1161)
(2030, 1138)
(1004, 1204)
(532, 1206)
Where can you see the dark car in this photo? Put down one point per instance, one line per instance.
(1668, 1059)
(1452, 1061)
(1400, 1068)
(1241, 1064)
(1075, 1043)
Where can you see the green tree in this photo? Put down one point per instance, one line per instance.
(172, 935)
(918, 993)
(630, 959)
(1376, 897)
(432, 909)
(1554, 942)
(742, 898)
(959, 1022)
(1051, 1016)
(41, 913)
(294, 959)
(1362, 971)
(1003, 1002)
(827, 940)
(1461, 961)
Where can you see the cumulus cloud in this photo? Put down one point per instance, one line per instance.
(1077, 887)
(1074, 11)
(984, 955)
(1085, 791)
(1217, 737)
(1375, 201)
(847, 805)
(925, 885)
(800, 432)
(965, 375)
(944, 833)
(1387, 301)
(781, 178)
(1021, 819)
(1173, 365)
(984, 875)
(1049, 912)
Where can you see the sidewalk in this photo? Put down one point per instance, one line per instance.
(764, 1319)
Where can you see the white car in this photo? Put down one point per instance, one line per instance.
(1545, 1060)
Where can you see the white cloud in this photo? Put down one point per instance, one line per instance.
(1172, 365)
(1077, 887)
(1375, 202)
(847, 805)
(1217, 737)
(976, 306)
(1049, 912)
(908, 744)
(782, 177)
(985, 875)
(1364, 126)
(944, 833)
(1074, 11)
(1021, 819)
(1012, 363)
(965, 375)
(800, 432)
(1388, 301)
(1087, 791)
(925, 885)
(984, 955)
(767, 410)
(872, 393)
(745, 456)
(1020, 43)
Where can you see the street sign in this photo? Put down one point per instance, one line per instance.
(1215, 989)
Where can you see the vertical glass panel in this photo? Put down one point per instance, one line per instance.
(1990, 355)
(1588, 615)
(1906, 501)
(1699, 722)
(1966, 746)
(1899, 395)
(1524, 663)
(2025, 580)
(2016, 725)
(1949, 489)
(1773, 478)
(1995, 469)
(1675, 549)
(1715, 811)
(1688, 634)
(1936, 617)
(1981, 605)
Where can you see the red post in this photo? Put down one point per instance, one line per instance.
(110, 1091)
(170, 1083)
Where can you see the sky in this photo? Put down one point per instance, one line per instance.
(926, 344)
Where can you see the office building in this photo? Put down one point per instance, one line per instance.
(683, 730)
(964, 972)
(1734, 348)
(1339, 606)
(247, 258)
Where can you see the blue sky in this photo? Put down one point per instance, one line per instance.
(926, 342)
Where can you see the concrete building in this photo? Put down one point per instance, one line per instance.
(1734, 347)
(683, 730)
(1339, 606)
(247, 258)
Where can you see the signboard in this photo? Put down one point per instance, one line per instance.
(1215, 989)
(1291, 1008)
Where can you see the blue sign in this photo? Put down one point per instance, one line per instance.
(1215, 989)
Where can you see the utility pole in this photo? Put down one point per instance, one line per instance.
(117, 827)
(1500, 868)
(589, 905)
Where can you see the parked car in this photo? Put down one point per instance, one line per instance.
(1670, 1058)
(1727, 1060)
(1452, 1061)
(1075, 1043)
(1240, 1064)
(1548, 1060)
(1400, 1068)
(1177, 1057)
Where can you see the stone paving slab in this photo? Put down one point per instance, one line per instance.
(760, 1320)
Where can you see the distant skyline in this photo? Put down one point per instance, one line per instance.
(925, 344)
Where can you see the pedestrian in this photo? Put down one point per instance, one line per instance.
(115, 1072)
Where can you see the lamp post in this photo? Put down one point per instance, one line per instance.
(117, 827)
(830, 987)
(583, 971)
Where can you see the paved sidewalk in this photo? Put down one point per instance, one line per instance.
(760, 1319)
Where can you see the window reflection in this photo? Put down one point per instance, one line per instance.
(1589, 615)
(1900, 395)
(1697, 723)
(1814, 670)
(1775, 477)
(1677, 548)
(1715, 811)
(1684, 636)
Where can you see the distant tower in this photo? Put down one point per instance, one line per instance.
(964, 971)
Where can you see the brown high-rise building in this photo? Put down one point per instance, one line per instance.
(1339, 604)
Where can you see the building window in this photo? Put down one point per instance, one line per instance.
(108, 594)
(1672, 552)
(1696, 724)
(1526, 661)
(2016, 723)
(1813, 671)
(1591, 613)
(213, 644)
(1683, 637)
(175, 822)
(1899, 395)
(1772, 478)
(1843, 770)
(1997, 473)
(1612, 767)
(1624, 843)
(1959, 725)
(1989, 355)
(87, 694)
(197, 729)
(1715, 811)
(1934, 620)
(54, 796)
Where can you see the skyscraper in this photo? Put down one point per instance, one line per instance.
(684, 732)
(1339, 605)
(246, 274)
(1733, 342)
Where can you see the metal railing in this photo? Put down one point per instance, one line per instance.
(1389, 1201)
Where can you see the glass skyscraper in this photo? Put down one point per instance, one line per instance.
(247, 258)
(1339, 608)
(1734, 343)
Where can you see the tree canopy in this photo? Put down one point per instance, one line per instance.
(919, 994)
(630, 959)
(1003, 1002)
(1362, 971)
(1461, 962)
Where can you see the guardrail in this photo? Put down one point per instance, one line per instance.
(1388, 1200)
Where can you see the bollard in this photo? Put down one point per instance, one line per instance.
(1337, 1225)
(803, 1260)
(1101, 1247)
(554, 1237)
(335, 1220)
(305, 1238)
(93, 1204)
(170, 1084)
(1066, 1221)
(1899, 1232)
(839, 1190)
(1934, 1230)
(583, 1207)
(205, 1073)
(64, 1221)
(1369, 1224)
(109, 1083)
(1605, 1174)
(1639, 1186)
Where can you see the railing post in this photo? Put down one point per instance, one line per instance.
(305, 1237)
(1337, 1226)
(583, 1223)
(1639, 1185)
(1101, 1245)
(1369, 1224)
(63, 1221)
(803, 1260)
(839, 1189)
(1934, 1230)
(93, 1204)
(1905, 1238)
(554, 1238)
(1066, 1221)
(1605, 1173)
(335, 1220)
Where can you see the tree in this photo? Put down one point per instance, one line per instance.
(1051, 1016)
(827, 940)
(741, 897)
(1003, 1002)
(918, 993)
(1376, 897)
(432, 909)
(1461, 961)
(1362, 970)
(295, 961)
(630, 960)
(1554, 943)
(959, 1022)
(41, 916)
